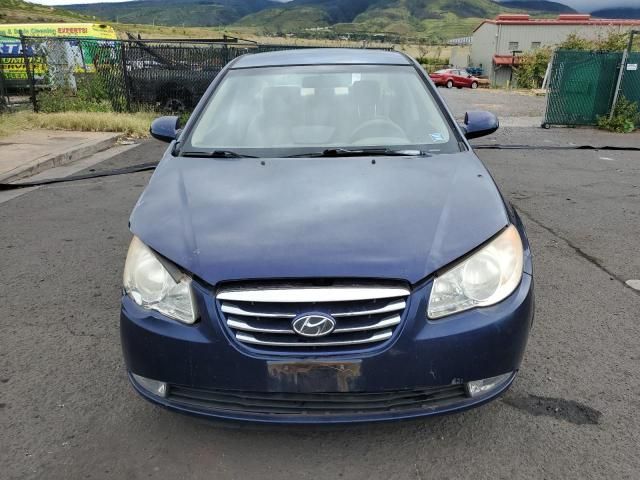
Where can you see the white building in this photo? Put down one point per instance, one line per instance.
(496, 42)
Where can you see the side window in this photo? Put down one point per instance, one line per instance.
(535, 45)
(514, 46)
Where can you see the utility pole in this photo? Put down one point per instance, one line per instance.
(513, 65)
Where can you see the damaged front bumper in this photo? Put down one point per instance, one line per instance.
(429, 368)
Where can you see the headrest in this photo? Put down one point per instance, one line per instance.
(276, 99)
(366, 90)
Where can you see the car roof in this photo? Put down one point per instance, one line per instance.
(322, 56)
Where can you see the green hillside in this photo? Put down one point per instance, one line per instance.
(17, 11)
(431, 20)
(434, 20)
(197, 13)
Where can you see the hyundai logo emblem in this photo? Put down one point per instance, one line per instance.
(313, 325)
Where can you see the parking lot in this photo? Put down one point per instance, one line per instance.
(67, 411)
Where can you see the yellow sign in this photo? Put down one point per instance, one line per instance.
(12, 57)
(72, 30)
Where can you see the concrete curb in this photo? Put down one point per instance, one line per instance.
(46, 162)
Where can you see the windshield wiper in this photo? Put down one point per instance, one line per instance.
(216, 154)
(363, 152)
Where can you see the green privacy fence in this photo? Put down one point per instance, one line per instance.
(630, 86)
(584, 85)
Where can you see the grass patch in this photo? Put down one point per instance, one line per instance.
(130, 124)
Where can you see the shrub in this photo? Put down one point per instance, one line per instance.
(625, 117)
(432, 61)
(612, 42)
(90, 95)
(532, 68)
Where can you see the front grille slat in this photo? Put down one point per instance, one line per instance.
(246, 327)
(384, 323)
(301, 342)
(318, 403)
(235, 310)
(284, 328)
(261, 316)
(311, 294)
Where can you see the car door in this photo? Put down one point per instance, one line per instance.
(453, 75)
(458, 79)
(465, 78)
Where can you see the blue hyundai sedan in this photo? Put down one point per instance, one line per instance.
(320, 244)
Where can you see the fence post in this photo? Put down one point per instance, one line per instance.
(616, 94)
(125, 76)
(30, 77)
(225, 51)
(547, 74)
(4, 99)
(625, 57)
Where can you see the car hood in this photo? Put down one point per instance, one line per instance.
(395, 218)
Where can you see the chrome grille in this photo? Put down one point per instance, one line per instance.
(262, 316)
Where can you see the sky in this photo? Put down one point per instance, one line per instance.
(580, 5)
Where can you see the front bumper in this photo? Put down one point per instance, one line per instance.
(427, 361)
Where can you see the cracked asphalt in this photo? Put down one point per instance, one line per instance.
(67, 412)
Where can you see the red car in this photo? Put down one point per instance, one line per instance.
(453, 77)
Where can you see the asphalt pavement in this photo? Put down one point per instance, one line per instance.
(67, 411)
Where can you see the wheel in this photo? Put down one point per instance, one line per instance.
(546, 126)
(174, 105)
(474, 85)
(449, 83)
(174, 99)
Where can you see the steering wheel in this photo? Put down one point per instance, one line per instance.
(378, 127)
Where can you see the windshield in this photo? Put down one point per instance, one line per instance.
(281, 111)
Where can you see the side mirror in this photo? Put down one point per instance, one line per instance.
(164, 128)
(479, 124)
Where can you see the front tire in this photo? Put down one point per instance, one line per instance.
(174, 99)
(449, 83)
(474, 85)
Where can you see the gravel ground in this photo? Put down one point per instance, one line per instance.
(66, 410)
(514, 108)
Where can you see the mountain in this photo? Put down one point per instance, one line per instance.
(197, 13)
(617, 13)
(434, 20)
(540, 5)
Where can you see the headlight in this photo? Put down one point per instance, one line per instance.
(152, 286)
(485, 278)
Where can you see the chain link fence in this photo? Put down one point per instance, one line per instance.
(4, 98)
(581, 87)
(630, 85)
(585, 86)
(65, 74)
